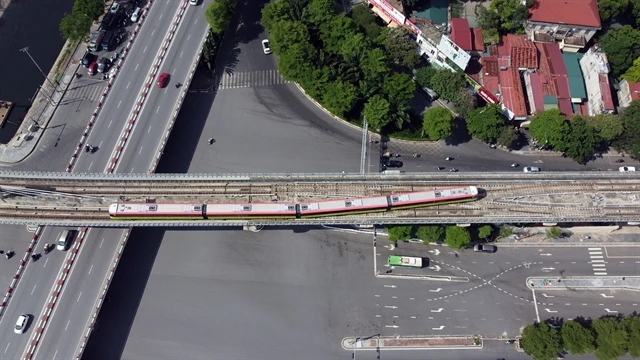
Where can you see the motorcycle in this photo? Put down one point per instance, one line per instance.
(619, 161)
(448, 158)
(211, 141)
(416, 155)
(515, 165)
(453, 170)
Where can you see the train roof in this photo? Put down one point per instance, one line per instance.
(345, 204)
(252, 208)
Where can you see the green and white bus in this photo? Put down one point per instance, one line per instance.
(408, 261)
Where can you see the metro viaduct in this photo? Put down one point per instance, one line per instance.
(71, 199)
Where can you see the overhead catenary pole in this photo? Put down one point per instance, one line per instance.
(26, 51)
(363, 152)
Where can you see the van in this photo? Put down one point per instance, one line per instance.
(393, 172)
(107, 40)
(136, 14)
(96, 40)
(531, 169)
(65, 240)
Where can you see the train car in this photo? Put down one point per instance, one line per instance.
(252, 210)
(156, 211)
(344, 207)
(433, 197)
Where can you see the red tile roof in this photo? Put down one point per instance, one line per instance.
(584, 109)
(523, 53)
(461, 34)
(544, 70)
(558, 67)
(605, 91)
(490, 71)
(477, 39)
(504, 47)
(536, 93)
(572, 12)
(511, 91)
(565, 107)
(634, 90)
(492, 50)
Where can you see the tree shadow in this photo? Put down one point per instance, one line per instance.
(460, 134)
(250, 26)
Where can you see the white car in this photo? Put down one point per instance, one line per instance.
(627, 169)
(265, 47)
(114, 7)
(193, 2)
(136, 14)
(21, 324)
(531, 169)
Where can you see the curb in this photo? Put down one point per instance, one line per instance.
(395, 343)
(20, 270)
(107, 89)
(54, 296)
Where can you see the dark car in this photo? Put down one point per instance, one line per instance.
(87, 59)
(485, 248)
(93, 67)
(387, 162)
(103, 65)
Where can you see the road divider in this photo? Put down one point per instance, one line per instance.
(412, 343)
(584, 283)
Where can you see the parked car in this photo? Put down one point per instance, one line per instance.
(485, 248)
(103, 65)
(391, 163)
(21, 324)
(136, 14)
(87, 59)
(627, 169)
(114, 7)
(93, 68)
(266, 47)
(193, 2)
(163, 80)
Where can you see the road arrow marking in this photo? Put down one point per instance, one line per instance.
(548, 269)
(606, 296)
(547, 296)
(391, 307)
(435, 252)
(546, 254)
(610, 311)
(435, 267)
(439, 310)
(390, 286)
(436, 290)
(438, 328)
(392, 326)
(552, 311)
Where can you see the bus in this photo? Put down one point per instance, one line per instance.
(408, 261)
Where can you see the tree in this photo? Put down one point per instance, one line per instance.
(424, 76)
(438, 123)
(274, 12)
(608, 126)
(93, 9)
(316, 82)
(554, 232)
(376, 111)
(485, 231)
(581, 141)
(399, 88)
(611, 338)
(611, 9)
(631, 123)
(320, 12)
(508, 137)
(219, 14)
(487, 19)
(75, 26)
(541, 342)
(505, 231)
(430, 233)
(294, 64)
(512, 13)
(550, 127)
(577, 339)
(401, 47)
(466, 103)
(486, 123)
(622, 46)
(335, 32)
(375, 64)
(634, 12)
(340, 97)
(366, 20)
(284, 34)
(632, 325)
(457, 237)
(448, 84)
(632, 74)
(399, 232)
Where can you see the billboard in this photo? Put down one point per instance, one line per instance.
(454, 53)
(388, 9)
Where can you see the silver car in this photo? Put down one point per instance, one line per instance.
(21, 324)
(485, 248)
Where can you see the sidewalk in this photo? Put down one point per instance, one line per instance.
(585, 282)
(411, 342)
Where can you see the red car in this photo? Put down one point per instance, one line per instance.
(163, 79)
(93, 68)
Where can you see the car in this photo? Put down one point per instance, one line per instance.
(193, 2)
(265, 47)
(627, 169)
(528, 169)
(93, 68)
(386, 162)
(485, 248)
(103, 65)
(87, 59)
(163, 80)
(136, 14)
(21, 324)
(65, 239)
(114, 7)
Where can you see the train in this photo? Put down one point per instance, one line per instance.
(289, 210)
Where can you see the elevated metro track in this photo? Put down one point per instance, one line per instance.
(69, 199)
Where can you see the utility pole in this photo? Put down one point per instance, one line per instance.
(26, 51)
(363, 152)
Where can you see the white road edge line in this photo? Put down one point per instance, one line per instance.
(535, 304)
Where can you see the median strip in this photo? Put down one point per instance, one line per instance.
(411, 342)
(585, 283)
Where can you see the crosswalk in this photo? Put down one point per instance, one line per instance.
(88, 89)
(597, 261)
(249, 79)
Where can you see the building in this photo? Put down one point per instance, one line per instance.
(572, 23)
(468, 39)
(628, 92)
(595, 69)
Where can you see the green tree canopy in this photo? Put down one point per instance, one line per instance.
(401, 47)
(284, 34)
(554, 232)
(457, 237)
(430, 233)
(541, 342)
(294, 62)
(399, 88)
(320, 12)
(486, 123)
(611, 9)
(611, 338)
(340, 97)
(631, 123)
(366, 20)
(399, 232)
(376, 111)
(75, 26)
(334, 33)
(448, 84)
(508, 137)
(581, 141)
(375, 64)
(632, 325)
(485, 231)
(632, 74)
(577, 339)
(274, 12)
(550, 127)
(219, 14)
(506, 16)
(466, 103)
(424, 76)
(90, 8)
(622, 46)
(438, 123)
(608, 126)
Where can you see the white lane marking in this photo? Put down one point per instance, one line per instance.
(188, 37)
(597, 256)
(597, 265)
(149, 130)
(392, 326)
(391, 307)
(438, 328)
(547, 296)
(600, 273)
(436, 290)
(135, 69)
(109, 124)
(378, 316)
(131, 172)
(129, 83)
(160, 16)
(535, 304)
(34, 289)
(120, 102)
(550, 311)
(390, 286)
(140, 152)
(606, 296)
(153, 32)
(7, 348)
(144, 50)
(591, 249)
(595, 252)
(158, 109)
(45, 263)
(54, 355)
(597, 261)
(101, 243)
(610, 311)
(181, 52)
(68, 322)
(437, 311)
(91, 268)
(90, 165)
(79, 296)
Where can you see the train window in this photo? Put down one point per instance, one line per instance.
(304, 207)
(291, 208)
(197, 208)
(152, 207)
(246, 207)
(348, 203)
(437, 194)
(395, 199)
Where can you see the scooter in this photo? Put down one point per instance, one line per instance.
(47, 248)
(515, 165)
(619, 161)
(448, 158)
(211, 141)
(453, 170)
(416, 155)
(87, 148)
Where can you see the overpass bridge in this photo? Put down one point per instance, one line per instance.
(73, 199)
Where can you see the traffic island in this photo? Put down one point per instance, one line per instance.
(411, 342)
(585, 283)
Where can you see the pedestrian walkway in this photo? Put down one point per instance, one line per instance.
(411, 342)
(251, 79)
(597, 261)
(85, 89)
(584, 282)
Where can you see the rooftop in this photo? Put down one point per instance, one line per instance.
(461, 34)
(477, 39)
(576, 79)
(634, 89)
(572, 12)
(605, 91)
(490, 71)
(524, 54)
(437, 12)
(511, 92)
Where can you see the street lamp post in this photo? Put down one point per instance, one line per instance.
(26, 51)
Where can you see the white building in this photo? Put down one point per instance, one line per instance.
(595, 69)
